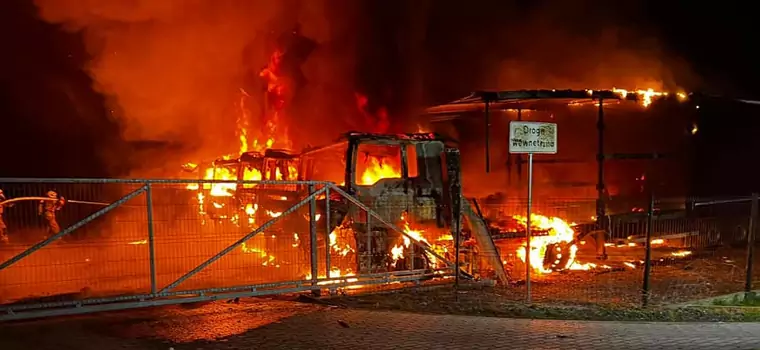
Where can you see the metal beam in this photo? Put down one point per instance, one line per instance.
(488, 135)
(114, 304)
(600, 202)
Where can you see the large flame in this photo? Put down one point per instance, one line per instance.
(376, 169)
(274, 132)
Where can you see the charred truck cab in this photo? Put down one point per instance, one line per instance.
(410, 181)
(401, 177)
(273, 164)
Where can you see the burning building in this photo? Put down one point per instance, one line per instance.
(602, 167)
(574, 171)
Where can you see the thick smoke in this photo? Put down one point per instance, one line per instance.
(172, 70)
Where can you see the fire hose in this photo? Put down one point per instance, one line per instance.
(19, 199)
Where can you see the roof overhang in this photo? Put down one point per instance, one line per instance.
(543, 100)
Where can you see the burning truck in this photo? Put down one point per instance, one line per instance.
(405, 179)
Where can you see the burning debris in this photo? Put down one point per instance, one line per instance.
(555, 246)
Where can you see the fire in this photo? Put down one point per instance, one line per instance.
(398, 251)
(646, 96)
(336, 273)
(559, 233)
(267, 259)
(681, 253)
(377, 169)
(273, 132)
(340, 248)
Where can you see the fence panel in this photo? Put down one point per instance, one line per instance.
(695, 251)
(571, 260)
(152, 239)
(191, 232)
(700, 252)
(95, 253)
(131, 243)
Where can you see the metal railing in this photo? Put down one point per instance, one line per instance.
(135, 243)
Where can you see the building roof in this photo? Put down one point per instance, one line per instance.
(541, 100)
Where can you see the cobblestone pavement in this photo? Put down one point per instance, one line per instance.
(281, 325)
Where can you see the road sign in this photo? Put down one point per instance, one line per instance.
(532, 137)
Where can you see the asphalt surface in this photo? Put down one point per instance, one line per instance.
(271, 324)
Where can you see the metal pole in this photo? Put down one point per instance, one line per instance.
(456, 252)
(751, 245)
(488, 136)
(527, 229)
(648, 254)
(368, 250)
(453, 169)
(313, 237)
(600, 206)
(457, 211)
(151, 242)
(328, 264)
(518, 157)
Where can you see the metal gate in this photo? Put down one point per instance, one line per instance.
(137, 243)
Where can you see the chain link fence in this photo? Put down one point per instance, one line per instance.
(102, 243)
(662, 251)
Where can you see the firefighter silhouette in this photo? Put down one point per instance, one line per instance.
(47, 209)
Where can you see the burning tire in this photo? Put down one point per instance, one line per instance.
(557, 256)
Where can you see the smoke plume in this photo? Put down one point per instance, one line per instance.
(172, 70)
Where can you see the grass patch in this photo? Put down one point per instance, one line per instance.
(748, 299)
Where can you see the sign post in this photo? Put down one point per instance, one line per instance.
(531, 138)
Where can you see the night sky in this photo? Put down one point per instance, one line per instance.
(406, 54)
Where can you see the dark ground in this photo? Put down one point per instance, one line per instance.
(270, 324)
(704, 274)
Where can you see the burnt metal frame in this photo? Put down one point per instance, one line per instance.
(166, 296)
(522, 98)
(356, 139)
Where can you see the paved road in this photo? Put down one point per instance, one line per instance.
(282, 325)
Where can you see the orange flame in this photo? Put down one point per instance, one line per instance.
(341, 248)
(377, 169)
(398, 251)
(559, 231)
(267, 259)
